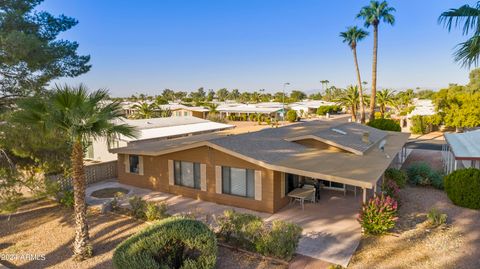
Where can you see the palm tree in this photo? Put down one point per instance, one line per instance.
(373, 15)
(352, 36)
(81, 117)
(468, 52)
(144, 110)
(234, 95)
(212, 108)
(385, 97)
(350, 98)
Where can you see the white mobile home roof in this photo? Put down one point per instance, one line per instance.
(465, 145)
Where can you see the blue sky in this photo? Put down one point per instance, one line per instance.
(145, 46)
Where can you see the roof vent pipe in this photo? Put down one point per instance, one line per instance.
(366, 137)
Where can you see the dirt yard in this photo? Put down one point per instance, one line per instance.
(45, 228)
(413, 244)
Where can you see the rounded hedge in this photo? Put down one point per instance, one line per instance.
(292, 116)
(385, 124)
(170, 243)
(463, 187)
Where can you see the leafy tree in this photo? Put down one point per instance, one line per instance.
(160, 100)
(180, 95)
(81, 117)
(234, 95)
(384, 97)
(474, 83)
(255, 97)
(373, 14)
(222, 94)
(30, 53)
(352, 36)
(210, 95)
(296, 96)
(350, 98)
(425, 94)
(315, 96)
(198, 95)
(168, 95)
(466, 17)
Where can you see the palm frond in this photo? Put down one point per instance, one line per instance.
(465, 16)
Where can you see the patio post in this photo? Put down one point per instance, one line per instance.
(364, 195)
(375, 190)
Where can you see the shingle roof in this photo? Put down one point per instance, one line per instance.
(275, 149)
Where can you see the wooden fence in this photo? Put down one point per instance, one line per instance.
(93, 173)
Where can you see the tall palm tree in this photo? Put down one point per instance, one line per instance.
(350, 99)
(466, 17)
(81, 117)
(234, 95)
(385, 97)
(352, 36)
(373, 14)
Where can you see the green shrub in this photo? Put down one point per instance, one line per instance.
(422, 174)
(138, 206)
(67, 198)
(292, 116)
(250, 232)
(385, 124)
(216, 118)
(463, 187)
(435, 218)
(240, 229)
(170, 243)
(323, 110)
(155, 212)
(378, 215)
(418, 125)
(390, 188)
(397, 175)
(280, 241)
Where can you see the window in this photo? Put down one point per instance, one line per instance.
(185, 113)
(333, 185)
(240, 182)
(291, 182)
(187, 174)
(134, 164)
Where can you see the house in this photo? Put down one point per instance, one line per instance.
(153, 130)
(178, 110)
(307, 108)
(257, 170)
(461, 151)
(271, 109)
(423, 107)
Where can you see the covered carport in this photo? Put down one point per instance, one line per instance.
(461, 151)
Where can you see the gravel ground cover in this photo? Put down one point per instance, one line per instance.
(45, 228)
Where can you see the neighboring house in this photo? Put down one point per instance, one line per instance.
(257, 170)
(152, 130)
(308, 108)
(423, 107)
(178, 110)
(461, 151)
(270, 109)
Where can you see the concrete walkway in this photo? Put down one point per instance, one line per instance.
(330, 230)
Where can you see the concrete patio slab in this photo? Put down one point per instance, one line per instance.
(330, 230)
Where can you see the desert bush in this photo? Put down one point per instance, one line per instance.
(280, 241)
(155, 211)
(240, 229)
(463, 187)
(216, 118)
(67, 198)
(378, 215)
(397, 175)
(170, 243)
(138, 206)
(292, 116)
(422, 174)
(436, 218)
(385, 124)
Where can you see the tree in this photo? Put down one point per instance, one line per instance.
(168, 95)
(468, 52)
(222, 94)
(255, 97)
(297, 96)
(234, 95)
(81, 117)
(373, 15)
(315, 96)
(384, 97)
(210, 95)
(30, 53)
(352, 36)
(198, 95)
(144, 110)
(324, 84)
(350, 99)
(474, 83)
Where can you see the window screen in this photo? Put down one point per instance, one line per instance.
(238, 181)
(187, 174)
(134, 163)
